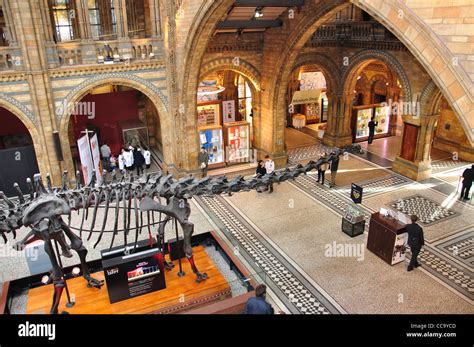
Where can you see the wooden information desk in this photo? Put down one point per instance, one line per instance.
(387, 238)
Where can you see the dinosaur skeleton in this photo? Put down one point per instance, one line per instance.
(42, 210)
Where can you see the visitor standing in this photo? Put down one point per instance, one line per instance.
(372, 124)
(334, 168)
(138, 160)
(128, 159)
(105, 153)
(269, 167)
(147, 156)
(468, 177)
(322, 170)
(416, 240)
(121, 161)
(203, 160)
(260, 171)
(258, 303)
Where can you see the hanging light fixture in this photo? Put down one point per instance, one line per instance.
(258, 12)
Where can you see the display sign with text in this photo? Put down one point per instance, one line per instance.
(131, 275)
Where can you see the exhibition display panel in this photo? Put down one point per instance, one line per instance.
(212, 140)
(361, 116)
(209, 114)
(237, 142)
(134, 132)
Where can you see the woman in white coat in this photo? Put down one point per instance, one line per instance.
(147, 155)
(121, 161)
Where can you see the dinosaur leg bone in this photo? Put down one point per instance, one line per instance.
(76, 244)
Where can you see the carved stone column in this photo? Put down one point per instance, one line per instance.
(338, 132)
(155, 18)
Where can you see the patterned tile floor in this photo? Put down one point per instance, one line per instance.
(460, 246)
(428, 211)
(445, 165)
(438, 264)
(298, 294)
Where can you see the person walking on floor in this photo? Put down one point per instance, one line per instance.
(105, 153)
(260, 171)
(258, 303)
(269, 167)
(138, 160)
(416, 240)
(322, 170)
(147, 156)
(468, 177)
(334, 168)
(372, 124)
(203, 161)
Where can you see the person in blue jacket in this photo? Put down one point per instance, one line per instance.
(258, 304)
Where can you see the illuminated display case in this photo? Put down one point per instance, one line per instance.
(211, 139)
(383, 118)
(209, 114)
(362, 121)
(237, 142)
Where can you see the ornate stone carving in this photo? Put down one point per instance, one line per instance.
(18, 105)
(391, 61)
(119, 78)
(102, 69)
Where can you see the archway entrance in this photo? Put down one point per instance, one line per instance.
(226, 100)
(121, 117)
(17, 153)
(307, 99)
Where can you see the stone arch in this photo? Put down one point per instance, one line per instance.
(430, 99)
(330, 69)
(28, 119)
(229, 63)
(363, 57)
(378, 77)
(152, 92)
(250, 73)
(411, 30)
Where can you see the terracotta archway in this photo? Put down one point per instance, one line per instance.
(417, 36)
(154, 94)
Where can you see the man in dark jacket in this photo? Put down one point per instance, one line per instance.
(138, 160)
(415, 240)
(468, 177)
(258, 304)
(334, 168)
(372, 124)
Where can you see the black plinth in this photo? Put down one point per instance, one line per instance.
(353, 229)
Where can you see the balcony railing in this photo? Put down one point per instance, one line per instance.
(140, 49)
(352, 31)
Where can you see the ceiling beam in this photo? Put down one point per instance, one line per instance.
(260, 23)
(268, 3)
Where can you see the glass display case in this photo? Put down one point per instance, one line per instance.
(134, 132)
(382, 116)
(208, 114)
(363, 119)
(211, 139)
(237, 142)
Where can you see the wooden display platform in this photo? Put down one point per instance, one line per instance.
(181, 293)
